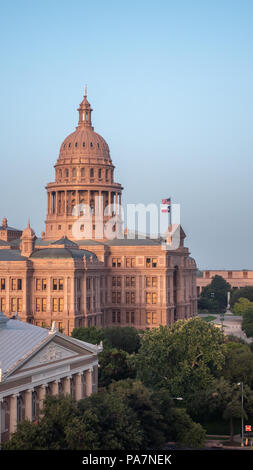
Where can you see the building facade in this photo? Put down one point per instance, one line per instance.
(77, 276)
(236, 278)
(36, 362)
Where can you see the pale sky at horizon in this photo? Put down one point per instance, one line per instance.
(170, 83)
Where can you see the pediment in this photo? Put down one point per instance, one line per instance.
(52, 352)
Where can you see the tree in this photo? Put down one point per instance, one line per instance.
(244, 292)
(182, 358)
(241, 306)
(91, 334)
(238, 363)
(114, 365)
(247, 322)
(214, 296)
(126, 338)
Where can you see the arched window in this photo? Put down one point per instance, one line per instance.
(66, 173)
(69, 145)
(76, 144)
(92, 172)
(83, 144)
(100, 173)
(74, 173)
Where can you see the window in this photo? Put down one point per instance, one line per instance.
(88, 303)
(154, 281)
(106, 175)
(60, 284)
(54, 284)
(230, 274)
(13, 305)
(76, 144)
(91, 172)
(91, 144)
(132, 297)
(132, 281)
(148, 281)
(69, 227)
(19, 305)
(127, 317)
(118, 317)
(113, 317)
(151, 318)
(100, 173)
(154, 297)
(148, 298)
(55, 305)
(88, 283)
(59, 227)
(151, 262)
(44, 284)
(245, 274)
(66, 173)
(116, 262)
(44, 305)
(74, 173)
(82, 172)
(19, 284)
(130, 262)
(69, 145)
(14, 284)
(114, 297)
(38, 284)
(61, 304)
(132, 317)
(2, 304)
(127, 297)
(83, 144)
(2, 284)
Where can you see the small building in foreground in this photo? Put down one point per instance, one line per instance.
(35, 362)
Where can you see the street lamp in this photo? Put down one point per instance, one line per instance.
(242, 440)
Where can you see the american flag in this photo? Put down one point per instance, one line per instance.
(167, 203)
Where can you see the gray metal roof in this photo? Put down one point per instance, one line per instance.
(17, 339)
(11, 255)
(61, 253)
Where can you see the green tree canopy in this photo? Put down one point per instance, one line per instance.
(214, 296)
(125, 338)
(244, 292)
(247, 322)
(241, 306)
(180, 358)
(114, 365)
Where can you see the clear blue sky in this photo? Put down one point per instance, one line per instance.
(170, 83)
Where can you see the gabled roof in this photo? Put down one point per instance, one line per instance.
(19, 341)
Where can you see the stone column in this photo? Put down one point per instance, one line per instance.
(66, 385)
(13, 413)
(89, 381)
(41, 397)
(55, 388)
(78, 386)
(28, 404)
(65, 202)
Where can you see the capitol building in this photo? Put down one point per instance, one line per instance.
(74, 279)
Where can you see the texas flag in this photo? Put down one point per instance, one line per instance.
(166, 202)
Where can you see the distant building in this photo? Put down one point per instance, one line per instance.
(35, 362)
(236, 278)
(84, 282)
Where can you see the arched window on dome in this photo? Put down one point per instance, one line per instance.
(91, 144)
(98, 145)
(83, 144)
(76, 144)
(74, 173)
(69, 145)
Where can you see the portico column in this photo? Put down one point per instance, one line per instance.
(41, 396)
(78, 386)
(13, 413)
(28, 404)
(55, 388)
(66, 385)
(89, 381)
